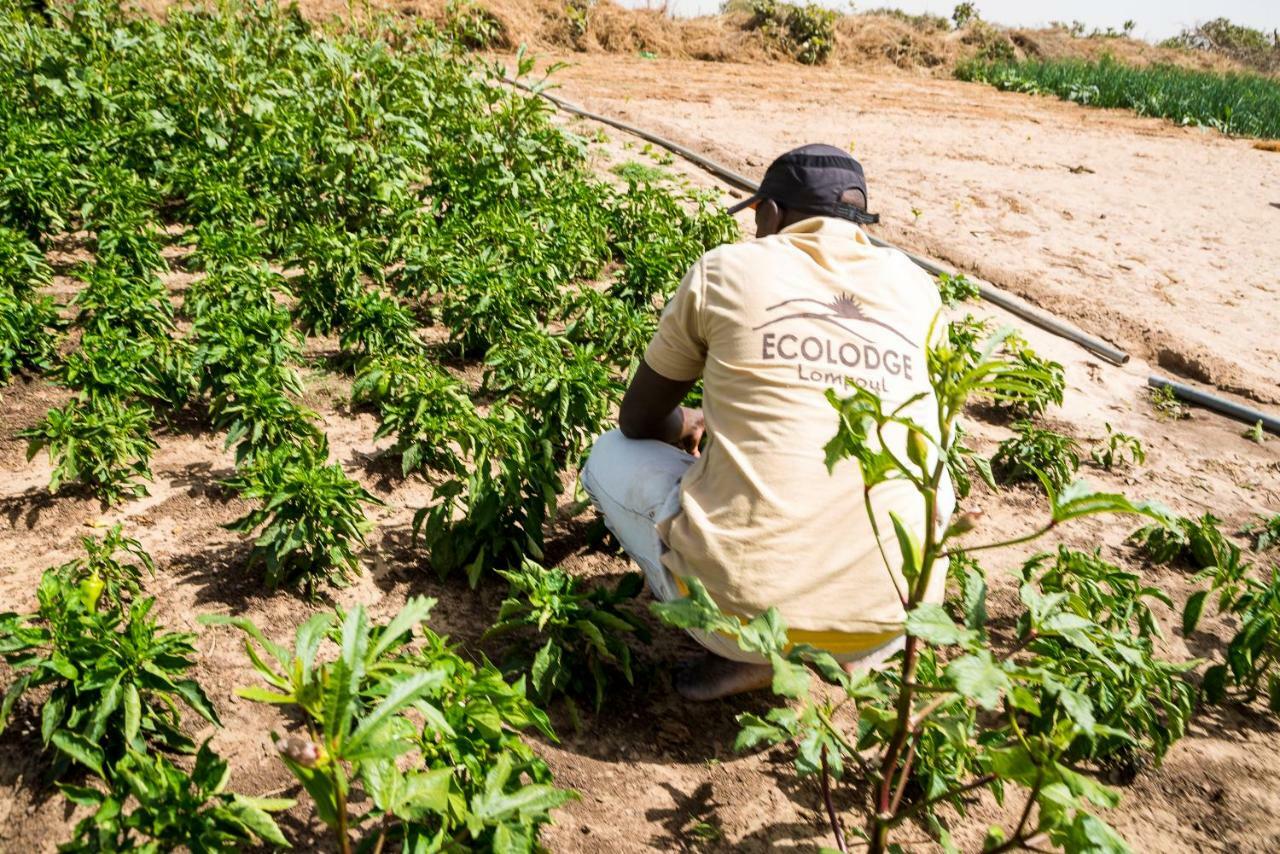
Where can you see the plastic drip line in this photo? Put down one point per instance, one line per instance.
(1229, 408)
(989, 292)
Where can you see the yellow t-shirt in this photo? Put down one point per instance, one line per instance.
(770, 324)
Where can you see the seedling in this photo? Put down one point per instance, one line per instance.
(1118, 449)
(1166, 403)
(1264, 531)
(954, 289)
(1196, 542)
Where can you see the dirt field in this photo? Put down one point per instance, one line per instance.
(1159, 243)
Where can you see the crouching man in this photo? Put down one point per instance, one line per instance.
(769, 325)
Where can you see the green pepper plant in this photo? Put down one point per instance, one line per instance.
(154, 805)
(310, 522)
(586, 631)
(116, 678)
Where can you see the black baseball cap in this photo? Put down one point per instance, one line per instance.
(812, 179)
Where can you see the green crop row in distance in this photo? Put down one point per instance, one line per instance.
(1235, 103)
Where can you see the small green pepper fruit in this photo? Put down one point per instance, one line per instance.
(917, 448)
(90, 590)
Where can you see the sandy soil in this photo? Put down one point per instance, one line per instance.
(655, 773)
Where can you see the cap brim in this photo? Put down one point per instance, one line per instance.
(745, 203)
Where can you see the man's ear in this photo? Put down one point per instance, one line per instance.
(854, 196)
(768, 218)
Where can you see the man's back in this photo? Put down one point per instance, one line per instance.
(771, 324)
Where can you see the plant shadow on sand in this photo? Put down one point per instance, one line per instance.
(26, 507)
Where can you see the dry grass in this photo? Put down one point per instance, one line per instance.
(863, 40)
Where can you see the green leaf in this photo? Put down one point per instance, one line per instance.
(279, 653)
(979, 678)
(254, 818)
(545, 665)
(1077, 706)
(1091, 835)
(258, 694)
(403, 692)
(526, 801)
(1080, 499)
(789, 680)
(909, 546)
(80, 749)
(414, 612)
(765, 634)
(755, 730)
(106, 707)
(932, 624)
(1192, 612)
(132, 713)
(1214, 684)
(190, 690)
(425, 793)
(697, 610)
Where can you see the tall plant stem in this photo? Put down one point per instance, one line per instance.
(887, 800)
(344, 839)
(831, 807)
(879, 830)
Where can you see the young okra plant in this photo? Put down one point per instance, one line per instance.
(1264, 531)
(586, 631)
(392, 717)
(1118, 450)
(954, 713)
(955, 289)
(1198, 543)
(1142, 703)
(1252, 665)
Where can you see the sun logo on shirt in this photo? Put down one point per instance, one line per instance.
(842, 309)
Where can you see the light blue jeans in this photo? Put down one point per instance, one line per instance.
(635, 485)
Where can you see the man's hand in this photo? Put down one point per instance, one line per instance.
(651, 410)
(692, 428)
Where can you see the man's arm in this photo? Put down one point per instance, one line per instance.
(651, 410)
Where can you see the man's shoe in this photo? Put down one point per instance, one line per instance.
(712, 677)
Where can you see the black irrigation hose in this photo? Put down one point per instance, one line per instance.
(1028, 312)
(1229, 408)
(1010, 303)
(989, 292)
